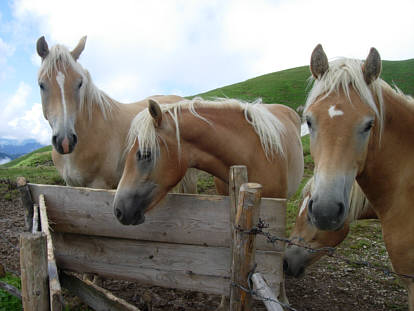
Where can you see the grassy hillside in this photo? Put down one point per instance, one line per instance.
(289, 87)
(27, 157)
(36, 166)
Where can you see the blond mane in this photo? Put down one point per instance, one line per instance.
(59, 59)
(268, 128)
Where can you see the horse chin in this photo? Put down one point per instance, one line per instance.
(328, 225)
(138, 220)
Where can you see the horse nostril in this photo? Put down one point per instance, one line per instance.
(75, 139)
(118, 213)
(310, 205)
(54, 139)
(341, 209)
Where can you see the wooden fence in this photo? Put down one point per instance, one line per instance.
(185, 242)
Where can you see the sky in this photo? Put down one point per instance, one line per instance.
(140, 48)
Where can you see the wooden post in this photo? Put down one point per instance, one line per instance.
(244, 246)
(33, 265)
(264, 290)
(26, 201)
(238, 177)
(56, 301)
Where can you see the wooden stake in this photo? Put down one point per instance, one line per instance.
(244, 247)
(56, 301)
(238, 177)
(26, 201)
(33, 265)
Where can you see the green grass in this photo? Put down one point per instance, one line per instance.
(37, 175)
(34, 166)
(7, 301)
(289, 87)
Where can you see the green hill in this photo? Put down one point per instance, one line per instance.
(289, 87)
(36, 166)
(33, 158)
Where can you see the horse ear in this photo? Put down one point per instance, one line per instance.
(155, 111)
(319, 62)
(42, 47)
(79, 48)
(372, 66)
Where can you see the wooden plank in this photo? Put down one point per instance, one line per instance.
(55, 291)
(26, 201)
(33, 266)
(180, 218)
(94, 296)
(35, 227)
(188, 267)
(244, 245)
(266, 292)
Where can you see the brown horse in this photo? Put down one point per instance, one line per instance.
(297, 259)
(212, 136)
(361, 129)
(89, 128)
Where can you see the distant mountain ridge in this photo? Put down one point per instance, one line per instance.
(11, 148)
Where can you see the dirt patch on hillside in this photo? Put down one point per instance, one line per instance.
(328, 285)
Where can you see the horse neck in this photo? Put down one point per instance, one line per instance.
(388, 162)
(217, 146)
(99, 133)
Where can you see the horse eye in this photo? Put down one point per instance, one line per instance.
(368, 126)
(308, 122)
(144, 155)
(80, 84)
(42, 86)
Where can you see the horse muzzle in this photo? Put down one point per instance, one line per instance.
(130, 205)
(295, 261)
(326, 215)
(64, 144)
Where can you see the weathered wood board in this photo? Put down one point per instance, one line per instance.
(180, 218)
(189, 267)
(184, 242)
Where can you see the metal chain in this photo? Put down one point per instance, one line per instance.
(330, 251)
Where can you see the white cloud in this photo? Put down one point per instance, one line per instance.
(20, 120)
(4, 160)
(6, 51)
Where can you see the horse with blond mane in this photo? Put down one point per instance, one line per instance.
(296, 258)
(164, 141)
(361, 129)
(89, 128)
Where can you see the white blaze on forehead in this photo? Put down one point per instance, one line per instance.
(333, 112)
(304, 204)
(60, 79)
